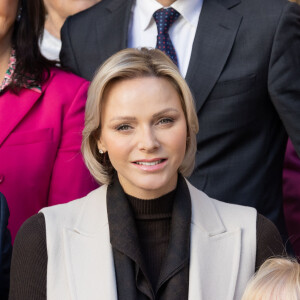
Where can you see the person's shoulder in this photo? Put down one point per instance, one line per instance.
(64, 85)
(274, 6)
(70, 208)
(223, 205)
(95, 12)
(266, 229)
(233, 214)
(32, 231)
(269, 241)
(236, 213)
(85, 214)
(63, 76)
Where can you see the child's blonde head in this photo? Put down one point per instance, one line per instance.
(277, 279)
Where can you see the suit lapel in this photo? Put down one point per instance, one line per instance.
(212, 248)
(13, 108)
(112, 31)
(88, 253)
(215, 35)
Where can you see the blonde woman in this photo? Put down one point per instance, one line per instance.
(277, 279)
(147, 233)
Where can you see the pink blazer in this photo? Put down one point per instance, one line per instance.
(291, 196)
(40, 138)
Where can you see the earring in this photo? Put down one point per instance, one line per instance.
(101, 151)
(19, 14)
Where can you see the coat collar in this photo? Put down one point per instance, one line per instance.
(212, 246)
(124, 237)
(204, 213)
(93, 213)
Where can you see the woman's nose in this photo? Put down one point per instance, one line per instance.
(148, 140)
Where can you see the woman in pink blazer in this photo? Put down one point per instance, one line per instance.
(41, 119)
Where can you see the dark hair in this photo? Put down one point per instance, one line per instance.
(25, 40)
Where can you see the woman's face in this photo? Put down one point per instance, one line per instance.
(144, 132)
(65, 8)
(8, 13)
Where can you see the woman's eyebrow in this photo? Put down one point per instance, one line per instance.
(165, 111)
(130, 118)
(122, 118)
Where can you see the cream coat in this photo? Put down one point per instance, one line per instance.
(80, 258)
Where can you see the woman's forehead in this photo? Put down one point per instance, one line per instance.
(144, 95)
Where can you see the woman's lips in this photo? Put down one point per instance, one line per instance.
(151, 164)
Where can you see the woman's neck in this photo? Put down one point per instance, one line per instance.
(53, 24)
(5, 52)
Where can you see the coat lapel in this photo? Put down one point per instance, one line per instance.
(215, 35)
(13, 109)
(212, 248)
(112, 32)
(84, 245)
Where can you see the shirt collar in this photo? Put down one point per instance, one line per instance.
(189, 10)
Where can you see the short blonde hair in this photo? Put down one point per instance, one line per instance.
(276, 279)
(129, 64)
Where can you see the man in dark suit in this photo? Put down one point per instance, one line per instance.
(5, 249)
(243, 67)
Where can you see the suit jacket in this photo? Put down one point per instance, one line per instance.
(291, 196)
(244, 73)
(80, 257)
(5, 249)
(40, 138)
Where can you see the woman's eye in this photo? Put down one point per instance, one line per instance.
(123, 127)
(165, 121)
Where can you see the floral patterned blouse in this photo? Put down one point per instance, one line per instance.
(9, 73)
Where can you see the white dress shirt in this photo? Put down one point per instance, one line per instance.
(143, 29)
(50, 46)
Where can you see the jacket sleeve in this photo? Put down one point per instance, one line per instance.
(268, 241)
(70, 178)
(28, 278)
(284, 71)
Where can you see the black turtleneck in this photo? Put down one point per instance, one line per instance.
(153, 222)
(151, 243)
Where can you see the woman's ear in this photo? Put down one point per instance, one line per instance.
(101, 146)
